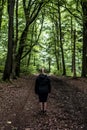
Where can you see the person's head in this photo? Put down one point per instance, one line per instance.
(42, 70)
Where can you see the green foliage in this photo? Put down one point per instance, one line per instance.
(1, 68)
(55, 71)
(46, 41)
(28, 70)
(32, 69)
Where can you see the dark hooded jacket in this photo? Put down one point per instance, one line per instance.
(42, 85)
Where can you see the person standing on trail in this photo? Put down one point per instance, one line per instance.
(42, 89)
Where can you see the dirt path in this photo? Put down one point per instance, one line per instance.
(19, 109)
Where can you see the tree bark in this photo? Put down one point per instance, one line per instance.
(23, 38)
(49, 64)
(15, 44)
(8, 64)
(57, 45)
(84, 59)
(74, 51)
(61, 44)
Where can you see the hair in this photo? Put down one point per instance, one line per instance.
(42, 70)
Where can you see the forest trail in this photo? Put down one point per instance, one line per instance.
(67, 105)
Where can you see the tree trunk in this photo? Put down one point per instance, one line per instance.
(8, 64)
(56, 39)
(74, 50)
(20, 50)
(61, 44)
(15, 44)
(49, 64)
(57, 45)
(84, 59)
(72, 44)
(24, 35)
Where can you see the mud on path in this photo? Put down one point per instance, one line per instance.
(67, 105)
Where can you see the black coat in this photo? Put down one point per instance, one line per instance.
(42, 81)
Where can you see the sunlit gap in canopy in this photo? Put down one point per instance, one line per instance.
(44, 41)
(43, 51)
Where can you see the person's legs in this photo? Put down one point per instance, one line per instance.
(43, 102)
(45, 106)
(41, 106)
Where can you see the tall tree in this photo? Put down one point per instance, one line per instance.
(15, 43)
(74, 55)
(61, 44)
(31, 12)
(8, 64)
(84, 59)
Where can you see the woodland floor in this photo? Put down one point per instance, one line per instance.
(67, 105)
